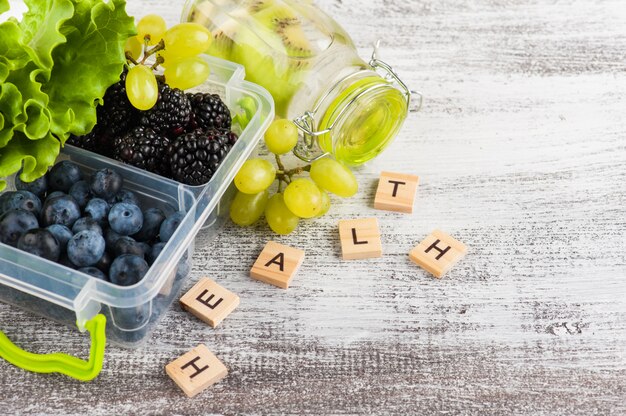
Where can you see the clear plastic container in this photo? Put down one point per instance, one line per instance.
(343, 105)
(71, 297)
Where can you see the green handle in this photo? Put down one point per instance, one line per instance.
(58, 362)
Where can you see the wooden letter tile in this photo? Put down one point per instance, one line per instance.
(209, 301)
(277, 264)
(196, 370)
(360, 239)
(396, 192)
(437, 253)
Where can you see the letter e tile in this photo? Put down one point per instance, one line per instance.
(209, 301)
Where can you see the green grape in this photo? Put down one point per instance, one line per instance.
(281, 137)
(141, 87)
(185, 40)
(303, 198)
(334, 177)
(280, 219)
(133, 47)
(246, 209)
(187, 73)
(151, 27)
(325, 203)
(255, 176)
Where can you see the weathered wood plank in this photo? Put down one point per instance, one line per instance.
(520, 149)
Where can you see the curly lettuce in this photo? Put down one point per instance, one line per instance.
(55, 66)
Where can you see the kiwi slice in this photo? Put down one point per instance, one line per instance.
(256, 6)
(223, 44)
(271, 44)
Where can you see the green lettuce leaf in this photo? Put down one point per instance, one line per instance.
(92, 58)
(41, 27)
(12, 50)
(11, 105)
(27, 110)
(55, 66)
(36, 156)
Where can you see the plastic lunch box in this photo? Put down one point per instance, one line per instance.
(65, 295)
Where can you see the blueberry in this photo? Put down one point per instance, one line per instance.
(183, 269)
(125, 195)
(86, 223)
(125, 219)
(111, 237)
(105, 183)
(127, 270)
(60, 210)
(62, 234)
(39, 186)
(14, 223)
(85, 248)
(81, 192)
(154, 252)
(25, 200)
(65, 261)
(152, 220)
(98, 209)
(3, 197)
(104, 263)
(169, 226)
(145, 247)
(93, 271)
(126, 245)
(40, 242)
(63, 175)
(129, 324)
(55, 194)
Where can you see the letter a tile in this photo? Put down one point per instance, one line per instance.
(360, 238)
(437, 253)
(196, 370)
(209, 301)
(396, 192)
(277, 264)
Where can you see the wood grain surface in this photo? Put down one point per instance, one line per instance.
(521, 152)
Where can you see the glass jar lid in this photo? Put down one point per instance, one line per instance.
(365, 113)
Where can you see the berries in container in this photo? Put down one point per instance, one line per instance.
(142, 267)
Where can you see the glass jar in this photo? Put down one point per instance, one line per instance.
(342, 105)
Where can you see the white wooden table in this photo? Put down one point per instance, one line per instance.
(521, 150)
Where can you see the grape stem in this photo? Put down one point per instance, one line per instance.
(286, 175)
(279, 163)
(159, 61)
(130, 59)
(149, 52)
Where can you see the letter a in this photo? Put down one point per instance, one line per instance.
(278, 259)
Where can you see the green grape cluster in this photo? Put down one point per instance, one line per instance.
(301, 197)
(176, 49)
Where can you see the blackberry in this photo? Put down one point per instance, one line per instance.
(171, 114)
(117, 115)
(94, 141)
(143, 148)
(232, 137)
(194, 157)
(209, 111)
